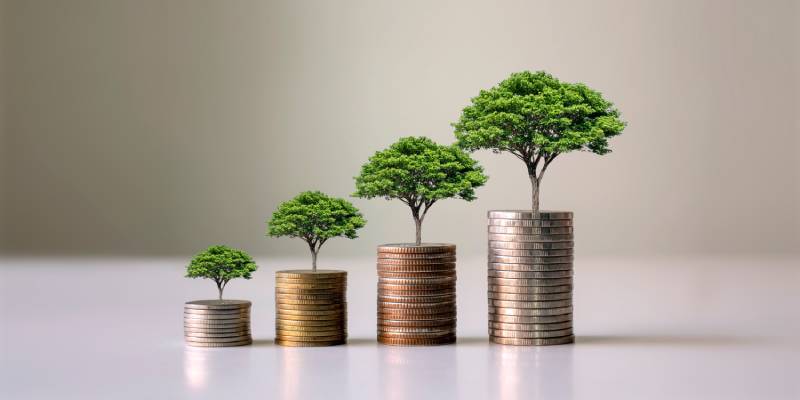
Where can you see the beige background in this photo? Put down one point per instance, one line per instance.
(160, 127)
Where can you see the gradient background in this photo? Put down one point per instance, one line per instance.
(161, 127)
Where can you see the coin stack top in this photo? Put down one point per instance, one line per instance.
(530, 277)
(217, 323)
(310, 308)
(416, 294)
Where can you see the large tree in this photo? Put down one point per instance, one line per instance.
(536, 117)
(316, 217)
(420, 172)
(221, 264)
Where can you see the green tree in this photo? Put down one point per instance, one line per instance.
(316, 217)
(419, 172)
(221, 264)
(536, 117)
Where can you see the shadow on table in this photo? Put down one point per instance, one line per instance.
(263, 342)
(666, 340)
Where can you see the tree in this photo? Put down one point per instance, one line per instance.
(420, 172)
(315, 217)
(536, 117)
(221, 264)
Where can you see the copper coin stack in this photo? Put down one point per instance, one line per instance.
(530, 277)
(217, 323)
(310, 308)
(417, 294)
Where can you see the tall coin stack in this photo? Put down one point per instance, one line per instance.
(530, 277)
(417, 294)
(310, 308)
(217, 323)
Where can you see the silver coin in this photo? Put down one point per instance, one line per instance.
(530, 260)
(203, 322)
(499, 244)
(528, 214)
(536, 223)
(227, 344)
(530, 334)
(529, 274)
(530, 312)
(529, 297)
(531, 253)
(530, 289)
(188, 316)
(532, 342)
(530, 304)
(211, 327)
(503, 237)
(517, 319)
(217, 340)
(245, 311)
(530, 282)
(526, 230)
(530, 327)
(227, 330)
(530, 267)
(215, 334)
(217, 304)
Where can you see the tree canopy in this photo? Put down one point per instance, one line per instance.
(221, 264)
(316, 217)
(536, 117)
(419, 172)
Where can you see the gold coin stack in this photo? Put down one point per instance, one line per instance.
(417, 294)
(217, 323)
(530, 277)
(310, 308)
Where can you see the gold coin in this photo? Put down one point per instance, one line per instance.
(310, 302)
(404, 262)
(338, 291)
(446, 267)
(341, 336)
(310, 323)
(336, 327)
(418, 275)
(292, 343)
(418, 293)
(415, 317)
(283, 311)
(408, 287)
(417, 281)
(414, 248)
(411, 256)
(403, 305)
(417, 299)
(416, 341)
(311, 307)
(310, 334)
(310, 274)
(310, 286)
(441, 323)
(305, 317)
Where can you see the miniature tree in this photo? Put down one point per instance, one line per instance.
(420, 172)
(221, 264)
(315, 217)
(535, 117)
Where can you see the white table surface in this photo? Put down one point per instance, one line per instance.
(688, 328)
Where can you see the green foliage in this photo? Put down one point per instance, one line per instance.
(534, 112)
(419, 172)
(316, 217)
(221, 264)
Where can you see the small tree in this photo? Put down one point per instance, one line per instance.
(221, 264)
(535, 117)
(315, 217)
(420, 172)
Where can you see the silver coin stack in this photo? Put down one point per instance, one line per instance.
(530, 277)
(217, 323)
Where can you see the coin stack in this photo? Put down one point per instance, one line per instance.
(417, 294)
(217, 323)
(310, 308)
(530, 277)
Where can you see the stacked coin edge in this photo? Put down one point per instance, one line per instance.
(310, 308)
(530, 277)
(217, 323)
(416, 294)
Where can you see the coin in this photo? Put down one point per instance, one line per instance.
(311, 286)
(416, 261)
(217, 304)
(417, 299)
(216, 340)
(439, 309)
(311, 307)
(530, 327)
(328, 338)
(416, 341)
(416, 335)
(402, 305)
(531, 253)
(530, 260)
(216, 323)
(310, 274)
(515, 319)
(308, 324)
(439, 330)
(418, 281)
(305, 317)
(194, 311)
(528, 214)
(530, 222)
(530, 304)
(194, 332)
(414, 248)
(284, 311)
(530, 230)
(292, 343)
(530, 289)
(530, 267)
(216, 335)
(340, 300)
(418, 275)
(504, 237)
(533, 342)
(529, 274)
(415, 317)
(530, 282)
(208, 317)
(312, 334)
(307, 283)
(413, 287)
(442, 322)
(420, 256)
(530, 334)
(530, 312)
(322, 296)
(309, 292)
(447, 267)
(227, 344)
(514, 245)
(341, 326)
(529, 297)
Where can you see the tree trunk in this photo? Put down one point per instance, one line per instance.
(418, 224)
(534, 194)
(219, 289)
(313, 261)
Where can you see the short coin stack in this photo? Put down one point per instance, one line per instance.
(310, 308)
(530, 277)
(417, 294)
(217, 323)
